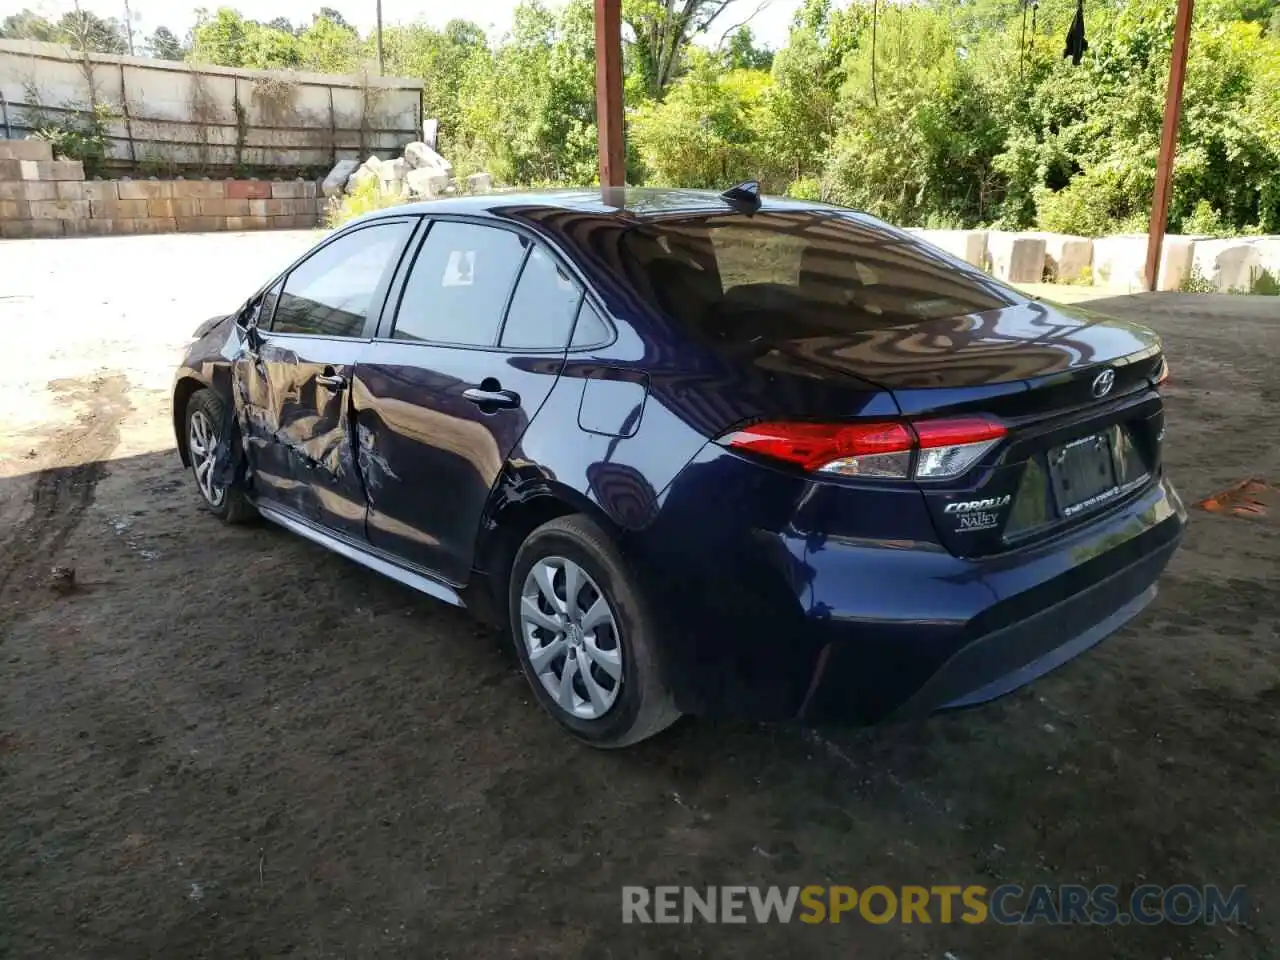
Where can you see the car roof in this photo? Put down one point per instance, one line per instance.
(624, 203)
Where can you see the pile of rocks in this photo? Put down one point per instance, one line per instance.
(420, 173)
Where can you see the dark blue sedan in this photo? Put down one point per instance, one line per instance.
(700, 453)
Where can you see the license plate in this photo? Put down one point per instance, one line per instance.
(1083, 474)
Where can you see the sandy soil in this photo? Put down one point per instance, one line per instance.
(229, 743)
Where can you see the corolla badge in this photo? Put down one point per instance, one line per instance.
(1103, 383)
(969, 506)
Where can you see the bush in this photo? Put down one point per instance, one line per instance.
(1197, 282)
(367, 198)
(1205, 220)
(80, 134)
(1093, 204)
(1264, 284)
(805, 188)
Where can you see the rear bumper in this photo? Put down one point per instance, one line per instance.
(989, 665)
(862, 630)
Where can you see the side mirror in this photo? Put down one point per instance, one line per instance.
(247, 320)
(251, 334)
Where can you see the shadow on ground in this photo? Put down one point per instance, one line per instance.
(227, 742)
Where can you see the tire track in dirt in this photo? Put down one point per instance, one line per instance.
(61, 494)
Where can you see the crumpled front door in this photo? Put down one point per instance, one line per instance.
(294, 406)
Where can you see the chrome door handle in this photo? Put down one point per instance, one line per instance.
(492, 398)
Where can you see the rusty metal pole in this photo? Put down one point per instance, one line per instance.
(382, 70)
(613, 171)
(1168, 141)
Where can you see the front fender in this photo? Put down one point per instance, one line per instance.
(206, 363)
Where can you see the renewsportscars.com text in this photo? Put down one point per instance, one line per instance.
(1010, 904)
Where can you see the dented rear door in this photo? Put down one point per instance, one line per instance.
(295, 379)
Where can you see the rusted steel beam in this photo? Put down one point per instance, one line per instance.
(1168, 141)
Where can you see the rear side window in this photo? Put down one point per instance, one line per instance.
(331, 292)
(591, 330)
(543, 306)
(459, 285)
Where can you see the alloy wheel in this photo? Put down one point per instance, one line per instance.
(202, 443)
(572, 637)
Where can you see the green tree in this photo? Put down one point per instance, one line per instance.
(83, 30)
(441, 59)
(704, 133)
(329, 46)
(87, 31)
(529, 110)
(28, 25)
(799, 121)
(164, 44)
(660, 34)
(220, 38)
(743, 54)
(331, 14)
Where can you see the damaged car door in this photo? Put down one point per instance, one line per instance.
(295, 375)
(470, 346)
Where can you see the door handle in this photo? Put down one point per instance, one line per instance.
(492, 398)
(334, 381)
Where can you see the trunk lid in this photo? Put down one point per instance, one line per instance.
(1076, 393)
(1074, 390)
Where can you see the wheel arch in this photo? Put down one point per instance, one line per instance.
(185, 387)
(515, 510)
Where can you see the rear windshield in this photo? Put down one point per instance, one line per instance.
(797, 275)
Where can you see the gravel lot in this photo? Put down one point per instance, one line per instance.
(229, 743)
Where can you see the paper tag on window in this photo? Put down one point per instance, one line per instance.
(460, 271)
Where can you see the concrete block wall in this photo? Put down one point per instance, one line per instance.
(1116, 262)
(42, 197)
(967, 245)
(1016, 257)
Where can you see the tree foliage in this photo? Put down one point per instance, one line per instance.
(81, 29)
(660, 33)
(941, 112)
(164, 44)
(227, 38)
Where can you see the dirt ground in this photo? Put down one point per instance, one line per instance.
(230, 743)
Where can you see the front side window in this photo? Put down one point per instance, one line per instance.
(331, 292)
(543, 306)
(267, 306)
(459, 285)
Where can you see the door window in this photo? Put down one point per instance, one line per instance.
(331, 292)
(543, 307)
(267, 307)
(591, 330)
(459, 285)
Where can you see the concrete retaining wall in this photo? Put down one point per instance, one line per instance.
(106, 207)
(175, 117)
(41, 197)
(1234, 264)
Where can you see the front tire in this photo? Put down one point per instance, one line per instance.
(585, 635)
(204, 421)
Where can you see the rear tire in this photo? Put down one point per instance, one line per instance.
(204, 424)
(602, 635)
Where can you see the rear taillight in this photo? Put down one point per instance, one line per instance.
(923, 450)
(851, 449)
(1162, 372)
(948, 448)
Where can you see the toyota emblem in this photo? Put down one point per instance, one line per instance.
(1103, 383)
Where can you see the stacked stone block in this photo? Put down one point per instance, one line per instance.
(43, 197)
